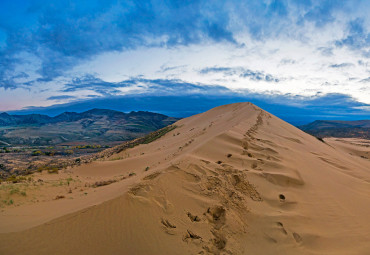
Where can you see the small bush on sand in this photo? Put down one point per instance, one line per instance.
(36, 153)
(15, 179)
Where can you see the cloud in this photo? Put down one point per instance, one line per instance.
(165, 68)
(287, 61)
(92, 83)
(366, 80)
(241, 72)
(358, 38)
(62, 97)
(258, 76)
(137, 85)
(225, 70)
(58, 35)
(326, 51)
(342, 65)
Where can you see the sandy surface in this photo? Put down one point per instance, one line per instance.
(233, 180)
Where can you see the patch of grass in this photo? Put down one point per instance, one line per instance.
(53, 170)
(117, 158)
(146, 168)
(14, 191)
(131, 174)
(16, 179)
(8, 202)
(156, 135)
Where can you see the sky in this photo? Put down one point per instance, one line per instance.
(313, 56)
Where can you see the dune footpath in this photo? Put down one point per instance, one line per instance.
(232, 180)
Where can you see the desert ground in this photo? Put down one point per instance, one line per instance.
(232, 180)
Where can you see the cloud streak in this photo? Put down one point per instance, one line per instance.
(241, 72)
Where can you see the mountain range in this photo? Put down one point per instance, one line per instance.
(337, 128)
(93, 126)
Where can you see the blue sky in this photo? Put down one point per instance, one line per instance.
(63, 54)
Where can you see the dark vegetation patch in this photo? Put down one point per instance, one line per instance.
(103, 183)
(54, 166)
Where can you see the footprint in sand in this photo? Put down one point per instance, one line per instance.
(169, 227)
(281, 227)
(167, 224)
(254, 165)
(297, 237)
(193, 217)
(217, 216)
(189, 235)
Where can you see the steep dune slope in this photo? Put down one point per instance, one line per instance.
(233, 180)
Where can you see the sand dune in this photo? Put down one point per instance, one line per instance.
(233, 180)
